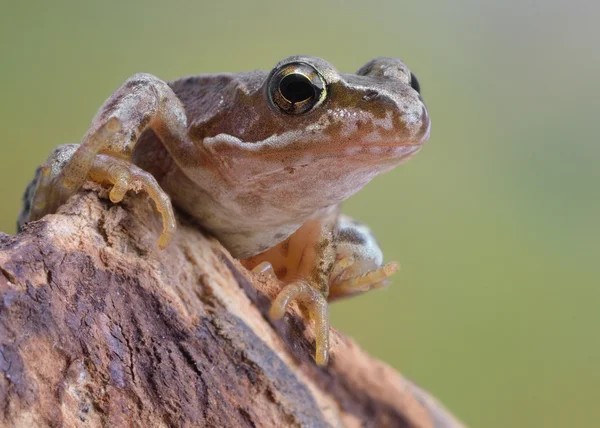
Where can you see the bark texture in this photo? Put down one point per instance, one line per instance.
(100, 328)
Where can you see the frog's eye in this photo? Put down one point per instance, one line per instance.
(414, 83)
(296, 88)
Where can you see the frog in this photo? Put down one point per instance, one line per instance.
(262, 161)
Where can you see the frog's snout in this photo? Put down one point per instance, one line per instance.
(411, 120)
(425, 130)
(399, 89)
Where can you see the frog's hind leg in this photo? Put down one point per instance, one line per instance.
(64, 172)
(359, 261)
(36, 200)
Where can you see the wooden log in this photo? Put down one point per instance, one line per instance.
(100, 328)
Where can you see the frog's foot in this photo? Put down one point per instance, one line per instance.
(349, 278)
(125, 176)
(53, 187)
(64, 172)
(317, 306)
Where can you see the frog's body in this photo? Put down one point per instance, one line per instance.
(262, 160)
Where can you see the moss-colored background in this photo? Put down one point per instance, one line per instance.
(495, 222)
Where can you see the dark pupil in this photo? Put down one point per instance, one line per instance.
(296, 88)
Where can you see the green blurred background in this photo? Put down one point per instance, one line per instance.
(495, 222)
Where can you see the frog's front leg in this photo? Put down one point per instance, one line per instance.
(304, 262)
(326, 259)
(105, 154)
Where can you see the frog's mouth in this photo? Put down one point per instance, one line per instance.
(295, 146)
(383, 152)
(300, 176)
(269, 164)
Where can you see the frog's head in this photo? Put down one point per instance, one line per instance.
(306, 129)
(379, 106)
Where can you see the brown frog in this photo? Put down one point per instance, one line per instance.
(262, 160)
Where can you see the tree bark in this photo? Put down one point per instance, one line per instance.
(100, 328)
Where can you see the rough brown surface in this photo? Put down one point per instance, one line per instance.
(99, 328)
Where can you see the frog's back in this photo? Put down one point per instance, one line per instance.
(207, 96)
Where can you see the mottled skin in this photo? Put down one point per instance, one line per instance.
(262, 160)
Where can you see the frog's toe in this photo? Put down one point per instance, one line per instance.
(46, 191)
(344, 286)
(264, 268)
(72, 174)
(125, 176)
(317, 306)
